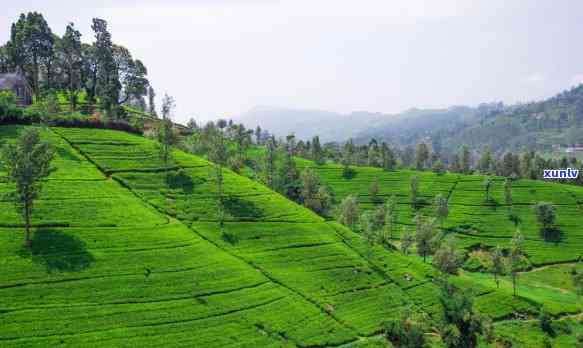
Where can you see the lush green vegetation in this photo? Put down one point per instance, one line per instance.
(475, 221)
(138, 243)
(128, 251)
(95, 277)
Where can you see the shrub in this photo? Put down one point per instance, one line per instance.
(407, 330)
(8, 107)
(545, 322)
(579, 340)
(78, 120)
(438, 168)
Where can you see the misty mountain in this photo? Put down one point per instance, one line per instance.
(402, 128)
(304, 123)
(541, 125)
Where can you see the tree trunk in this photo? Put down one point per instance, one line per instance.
(49, 74)
(35, 77)
(27, 240)
(496, 280)
(72, 95)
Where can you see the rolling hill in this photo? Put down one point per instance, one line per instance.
(123, 257)
(472, 219)
(540, 125)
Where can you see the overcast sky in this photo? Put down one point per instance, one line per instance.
(222, 57)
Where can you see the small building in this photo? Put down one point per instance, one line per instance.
(18, 85)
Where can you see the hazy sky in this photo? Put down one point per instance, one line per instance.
(222, 57)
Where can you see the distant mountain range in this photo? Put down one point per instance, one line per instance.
(537, 125)
(330, 126)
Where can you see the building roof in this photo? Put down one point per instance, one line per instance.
(11, 80)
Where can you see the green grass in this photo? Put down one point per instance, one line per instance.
(127, 252)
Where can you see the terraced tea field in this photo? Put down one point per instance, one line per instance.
(123, 256)
(289, 244)
(107, 269)
(474, 221)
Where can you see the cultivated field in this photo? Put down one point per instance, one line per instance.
(123, 257)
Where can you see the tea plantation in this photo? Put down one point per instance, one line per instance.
(475, 221)
(124, 257)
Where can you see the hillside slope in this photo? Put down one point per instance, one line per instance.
(284, 241)
(108, 269)
(539, 126)
(122, 257)
(119, 259)
(478, 225)
(474, 220)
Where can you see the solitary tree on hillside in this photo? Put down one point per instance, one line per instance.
(438, 167)
(367, 227)
(515, 258)
(446, 258)
(242, 139)
(391, 217)
(388, 157)
(497, 267)
(27, 162)
(373, 154)
(487, 184)
(165, 133)
(69, 49)
(421, 156)
(413, 191)
(347, 157)
(219, 156)
(373, 190)
(32, 44)
(407, 240)
(441, 208)
(424, 238)
(379, 223)
(270, 162)
(545, 215)
(485, 162)
(151, 102)
(108, 85)
(288, 174)
(317, 153)
(508, 192)
(407, 330)
(309, 188)
(348, 212)
(258, 135)
(455, 165)
(465, 160)
(313, 195)
(461, 322)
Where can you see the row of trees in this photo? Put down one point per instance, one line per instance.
(528, 165)
(276, 168)
(107, 73)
